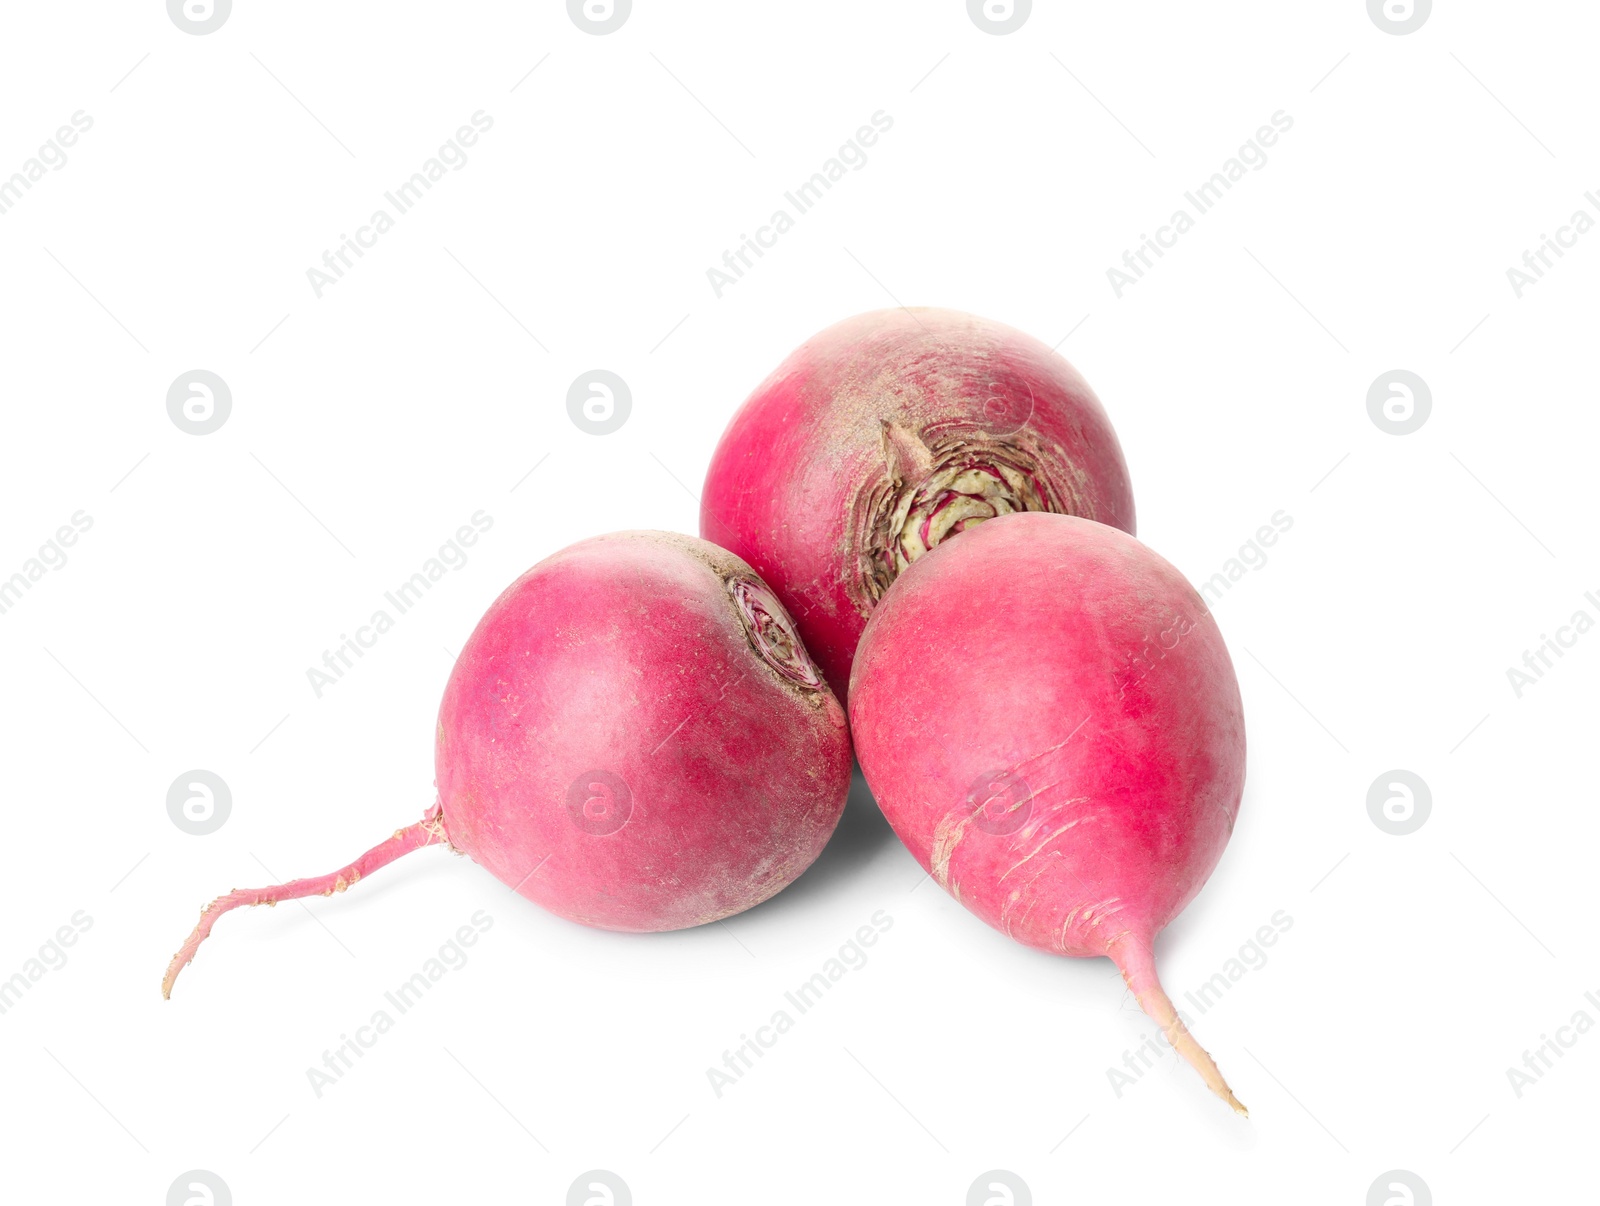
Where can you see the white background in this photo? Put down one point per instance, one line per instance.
(369, 424)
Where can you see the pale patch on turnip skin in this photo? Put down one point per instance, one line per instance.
(947, 836)
(1027, 834)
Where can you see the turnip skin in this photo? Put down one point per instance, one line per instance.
(622, 654)
(804, 482)
(1049, 719)
(648, 674)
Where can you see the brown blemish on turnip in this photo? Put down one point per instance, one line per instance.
(771, 632)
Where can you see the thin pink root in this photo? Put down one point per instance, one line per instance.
(1136, 960)
(426, 832)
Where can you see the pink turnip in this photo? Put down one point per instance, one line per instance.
(633, 737)
(888, 433)
(1048, 717)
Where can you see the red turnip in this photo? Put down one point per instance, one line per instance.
(888, 433)
(633, 737)
(1048, 717)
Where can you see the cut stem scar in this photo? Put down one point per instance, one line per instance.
(426, 832)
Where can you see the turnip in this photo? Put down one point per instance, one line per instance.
(1048, 717)
(883, 436)
(633, 737)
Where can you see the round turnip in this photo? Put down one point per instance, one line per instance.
(887, 434)
(633, 737)
(1048, 717)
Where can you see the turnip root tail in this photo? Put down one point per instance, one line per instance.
(1135, 958)
(426, 832)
